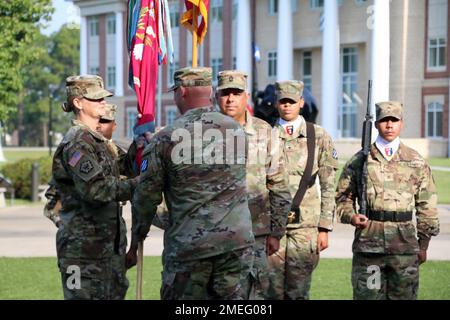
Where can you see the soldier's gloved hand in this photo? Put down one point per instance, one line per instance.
(359, 221)
(422, 255)
(131, 258)
(272, 245)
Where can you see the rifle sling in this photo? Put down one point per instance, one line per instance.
(306, 178)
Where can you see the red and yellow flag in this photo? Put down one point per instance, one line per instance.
(201, 8)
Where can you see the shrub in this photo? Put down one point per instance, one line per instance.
(19, 173)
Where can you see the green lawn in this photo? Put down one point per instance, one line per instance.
(14, 155)
(439, 162)
(38, 278)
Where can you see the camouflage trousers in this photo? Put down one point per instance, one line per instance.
(378, 276)
(220, 277)
(290, 269)
(258, 286)
(103, 279)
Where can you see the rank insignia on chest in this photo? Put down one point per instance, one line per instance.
(388, 151)
(86, 167)
(290, 130)
(144, 165)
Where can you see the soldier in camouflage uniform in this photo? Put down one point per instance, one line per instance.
(308, 227)
(268, 195)
(388, 248)
(91, 254)
(106, 127)
(208, 245)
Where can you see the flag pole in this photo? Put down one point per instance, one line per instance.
(194, 37)
(139, 269)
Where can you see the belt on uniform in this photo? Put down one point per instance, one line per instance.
(393, 216)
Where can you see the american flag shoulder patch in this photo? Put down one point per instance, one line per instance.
(75, 158)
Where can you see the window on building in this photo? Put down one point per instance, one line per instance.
(348, 110)
(434, 119)
(307, 69)
(216, 10)
(171, 115)
(273, 6)
(111, 24)
(235, 9)
(437, 52)
(131, 121)
(94, 70)
(93, 26)
(174, 15)
(315, 4)
(111, 77)
(272, 64)
(170, 71)
(318, 4)
(437, 32)
(360, 2)
(216, 65)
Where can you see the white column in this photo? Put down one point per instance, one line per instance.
(330, 68)
(285, 53)
(380, 55)
(244, 41)
(83, 45)
(119, 54)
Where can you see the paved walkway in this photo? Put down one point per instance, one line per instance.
(25, 232)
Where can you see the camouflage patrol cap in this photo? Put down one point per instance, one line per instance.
(86, 86)
(289, 90)
(389, 109)
(192, 77)
(110, 112)
(232, 79)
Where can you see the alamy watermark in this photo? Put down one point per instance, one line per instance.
(374, 280)
(229, 146)
(74, 280)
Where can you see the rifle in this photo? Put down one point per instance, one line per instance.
(365, 144)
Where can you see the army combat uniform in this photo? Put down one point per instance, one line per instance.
(385, 262)
(53, 204)
(268, 195)
(293, 264)
(91, 253)
(208, 244)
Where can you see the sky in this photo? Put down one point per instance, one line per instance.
(65, 12)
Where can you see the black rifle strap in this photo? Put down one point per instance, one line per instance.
(304, 182)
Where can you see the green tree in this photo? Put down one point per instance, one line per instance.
(20, 22)
(58, 58)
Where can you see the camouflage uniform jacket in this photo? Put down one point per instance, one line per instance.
(269, 199)
(87, 176)
(317, 207)
(402, 184)
(53, 205)
(207, 203)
